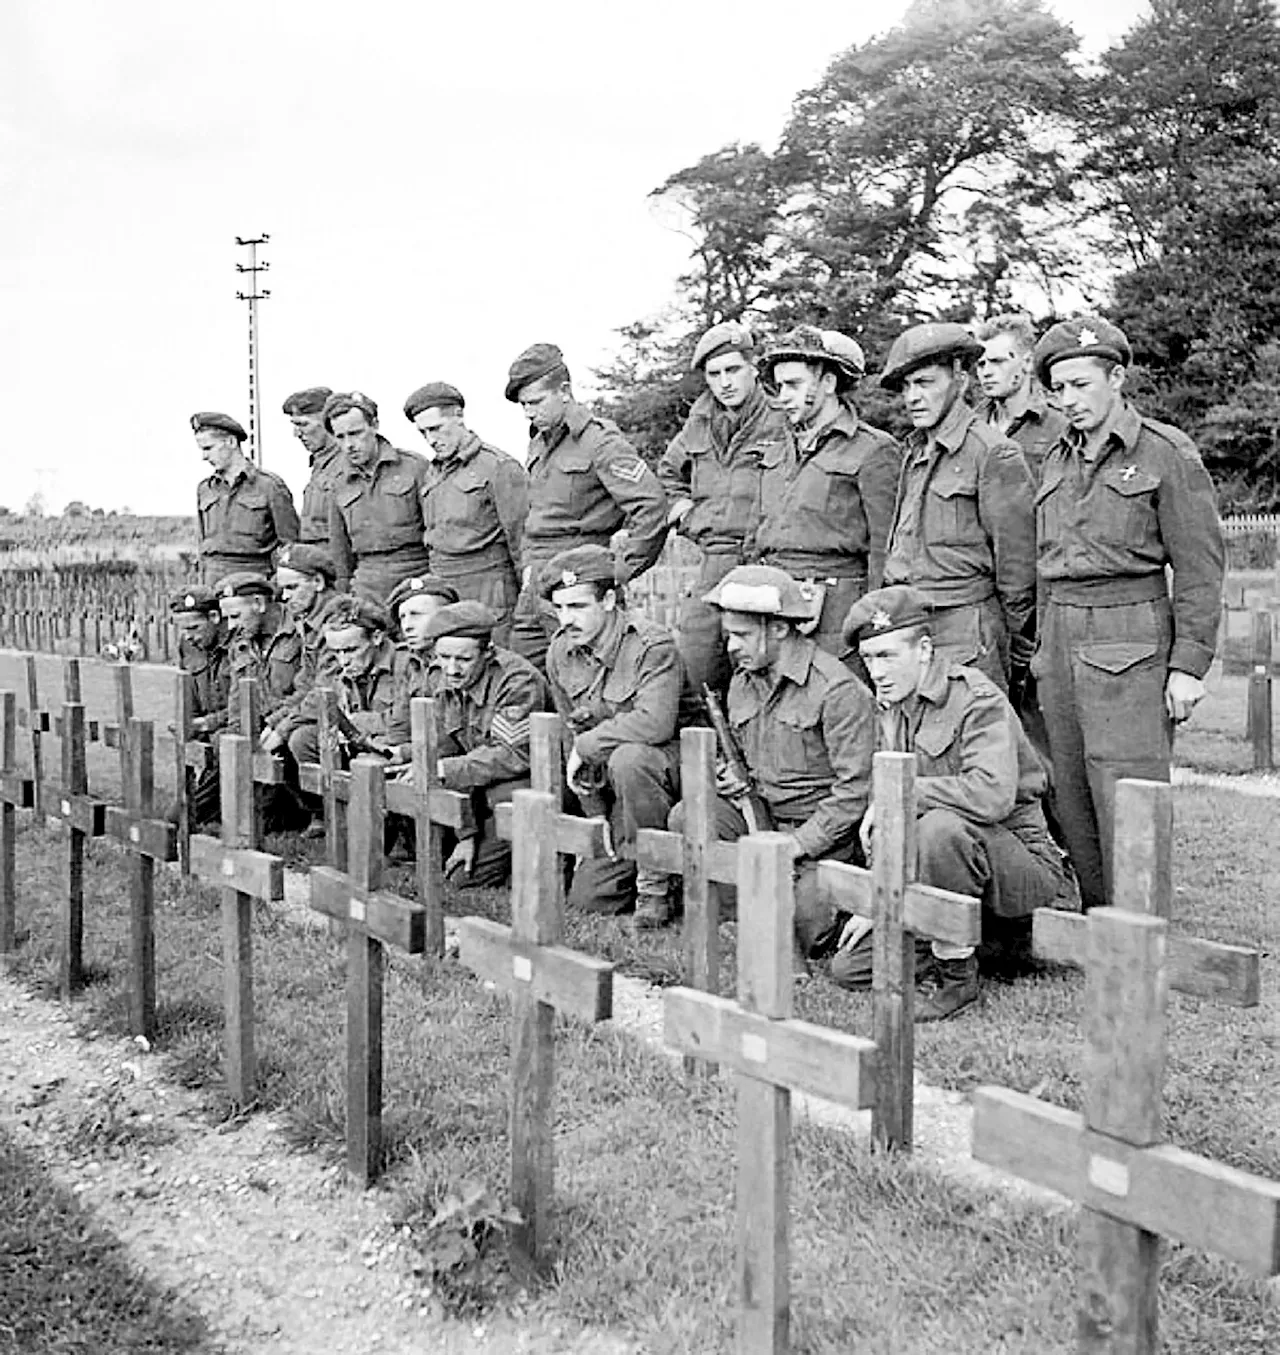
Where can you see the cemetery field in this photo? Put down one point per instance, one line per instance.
(886, 1256)
(1213, 739)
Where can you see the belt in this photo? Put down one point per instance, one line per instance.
(448, 565)
(815, 567)
(408, 550)
(1112, 592)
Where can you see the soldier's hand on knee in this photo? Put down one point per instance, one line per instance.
(866, 831)
(1182, 693)
(462, 858)
(271, 740)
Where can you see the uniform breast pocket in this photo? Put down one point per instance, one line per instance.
(1126, 506)
(936, 745)
(248, 516)
(951, 507)
(400, 500)
(796, 744)
(573, 484)
(619, 691)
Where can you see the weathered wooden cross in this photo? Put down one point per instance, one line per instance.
(1133, 1187)
(147, 838)
(70, 804)
(16, 792)
(244, 874)
(372, 918)
(542, 976)
(771, 1055)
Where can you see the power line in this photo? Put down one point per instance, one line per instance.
(253, 296)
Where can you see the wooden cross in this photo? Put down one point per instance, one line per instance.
(84, 816)
(372, 918)
(244, 874)
(16, 792)
(421, 798)
(28, 715)
(1133, 1187)
(148, 839)
(771, 1054)
(900, 910)
(543, 976)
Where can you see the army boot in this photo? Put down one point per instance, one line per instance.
(653, 910)
(957, 988)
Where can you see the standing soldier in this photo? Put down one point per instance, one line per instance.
(585, 482)
(1121, 658)
(1013, 403)
(964, 530)
(375, 512)
(618, 683)
(829, 488)
(202, 652)
(305, 409)
(242, 512)
(711, 473)
(473, 505)
(805, 728)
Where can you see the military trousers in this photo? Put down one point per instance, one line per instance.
(974, 634)
(533, 622)
(699, 638)
(215, 567)
(1100, 676)
(376, 575)
(498, 589)
(643, 783)
(814, 918)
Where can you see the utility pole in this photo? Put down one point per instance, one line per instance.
(253, 296)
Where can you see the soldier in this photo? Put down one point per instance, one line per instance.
(617, 682)
(1122, 653)
(980, 826)
(375, 510)
(804, 727)
(473, 505)
(483, 703)
(305, 575)
(585, 482)
(1014, 405)
(411, 606)
(829, 488)
(711, 473)
(202, 652)
(242, 512)
(305, 409)
(964, 531)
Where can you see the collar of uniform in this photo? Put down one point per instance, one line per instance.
(467, 449)
(950, 432)
(1123, 426)
(1035, 408)
(329, 452)
(477, 690)
(795, 658)
(246, 472)
(606, 645)
(387, 455)
(814, 435)
(934, 681)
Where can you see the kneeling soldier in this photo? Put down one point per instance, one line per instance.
(202, 652)
(617, 682)
(979, 783)
(484, 698)
(804, 726)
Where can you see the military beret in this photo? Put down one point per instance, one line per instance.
(195, 598)
(762, 590)
(306, 559)
(885, 610)
(1088, 336)
(581, 564)
(349, 610)
(729, 336)
(309, 401)
(245, 585)
(421, 585)
(922, 345)
(808, 343)
(472, 619)
(222, 423)
(345, 401)
(432, 394)
(542, 359)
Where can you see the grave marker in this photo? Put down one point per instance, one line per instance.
(16, 792)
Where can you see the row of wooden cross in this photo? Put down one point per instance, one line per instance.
(1133, 1188)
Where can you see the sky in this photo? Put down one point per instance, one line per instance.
(443, 185)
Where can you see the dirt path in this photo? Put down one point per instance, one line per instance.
(271, 1245)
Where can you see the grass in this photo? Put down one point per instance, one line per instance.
(66, 1284)
(886, 1257)
(1213, 739)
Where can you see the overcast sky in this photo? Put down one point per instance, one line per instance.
(443, 185)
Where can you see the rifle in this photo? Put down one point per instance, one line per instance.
(754, 808)
(356, 740)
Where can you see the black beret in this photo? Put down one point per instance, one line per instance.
(532, 365)
(886, 610)
(922, 345)
(344, 402)
(245, 585)
(309, 401)
(421, 585)
(433, 393)
(1088, 336)
(581, 564)
(349, 610)
(194, 598)
(306, 559)
(222, 423)
(472, 619)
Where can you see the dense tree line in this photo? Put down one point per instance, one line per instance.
(970, 161)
